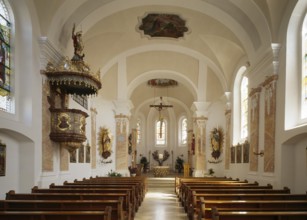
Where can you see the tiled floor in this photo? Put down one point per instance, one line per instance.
(161, 203)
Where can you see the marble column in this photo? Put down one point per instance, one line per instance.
(93, 138)
(200, 146)
(254, 128)
(200, 110)
(122, 125)
(47, 145)
(228, 145)
(227, 139)
(191, 146)
(122, 115)
(134, 151)
(270, 121)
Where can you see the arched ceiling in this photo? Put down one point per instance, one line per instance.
(220, 35)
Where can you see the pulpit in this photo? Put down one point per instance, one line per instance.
(160, 171)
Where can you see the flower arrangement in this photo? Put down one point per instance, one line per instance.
(179, 164)
(132, 170)
(145, 163)
(114, 174)
(160, 158)
(211, 171)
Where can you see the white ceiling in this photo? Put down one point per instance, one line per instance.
(223, 35)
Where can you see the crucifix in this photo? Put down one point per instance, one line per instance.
(160, 107)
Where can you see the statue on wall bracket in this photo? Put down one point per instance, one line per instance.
(216, 142)
(105, 142)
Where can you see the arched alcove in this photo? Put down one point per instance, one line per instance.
(20, 158)
(294, 165)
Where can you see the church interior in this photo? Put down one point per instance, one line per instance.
(155, 88)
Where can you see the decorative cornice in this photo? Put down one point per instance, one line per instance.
(227, 112)
(254, 91)
(269, 80)
(121, 116)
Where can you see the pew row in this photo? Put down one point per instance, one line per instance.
(252, 215)
(66, 205)
(188, 201)
(208, 207)
(127, 206)
(130, 193)
(56, 215)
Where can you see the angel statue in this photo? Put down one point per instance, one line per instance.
(78, 45)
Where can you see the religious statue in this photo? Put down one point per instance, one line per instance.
(105, 143)
(78, 45)
(217, 138)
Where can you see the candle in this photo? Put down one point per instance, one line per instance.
(160, 156)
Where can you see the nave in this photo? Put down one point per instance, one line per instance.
(161, 202)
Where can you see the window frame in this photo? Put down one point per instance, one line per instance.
(180, 132)
(244, 111)
(7, 100)
(165, 133)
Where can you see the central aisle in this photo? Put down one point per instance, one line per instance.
(160, 202)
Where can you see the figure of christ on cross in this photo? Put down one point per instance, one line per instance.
(160, 108)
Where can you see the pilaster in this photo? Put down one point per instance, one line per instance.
(122, 125)
(93, 138)
(200, 110)
(254, 127)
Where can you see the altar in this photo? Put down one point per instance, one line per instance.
(160, 171)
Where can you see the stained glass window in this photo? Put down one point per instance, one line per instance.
(5, 65)
(305, 68)
(304, 73)
(244, 107)
(184, 131)
(161, 132)
(138, 131)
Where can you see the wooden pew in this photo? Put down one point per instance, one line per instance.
(261, 196)
(56, 215)
(192, 205)
(66, 205)
(134, 192)
(260, 215)
(140, 184)
(188, 198)
(179, 180)
(186, 189)
(250, 206)
(131, 197)
(127, 206)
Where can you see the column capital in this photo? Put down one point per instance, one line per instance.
(200, 109)
(123, 107)
(226, 98)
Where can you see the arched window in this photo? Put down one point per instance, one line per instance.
(304, 72)
(244, 107)
(138, 131)
(183, 131)
(6, 103)
(161, 132)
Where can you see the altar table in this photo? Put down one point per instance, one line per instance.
(160, 171)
